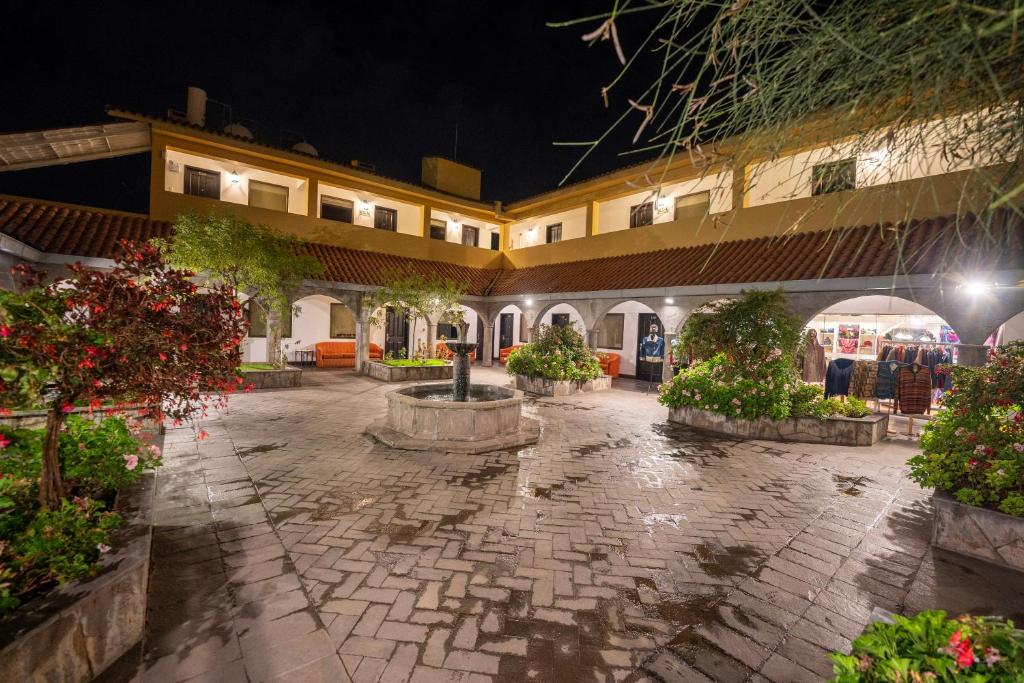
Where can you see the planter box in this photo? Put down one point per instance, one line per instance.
(840, 431)
(285, 378)
(985, 534)
(551, 387)
(76, 631)
(397, 373)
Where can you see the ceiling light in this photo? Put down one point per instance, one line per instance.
(669, 300)
(977, 287)
(529, 302)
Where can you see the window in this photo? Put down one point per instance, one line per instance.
(258, 322)
(385, 219)
(495, 241)
(692, 206)
(447, 330)
(834, 176)
(470, 236)
(268, 196)
(202, 183)
(610, 335)
(336, 209)
(438, 230)
(554, 233)
(641, 214)
(343, 323)
(524, 330)
(560, 320)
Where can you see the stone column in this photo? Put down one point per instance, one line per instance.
(362, 342)
(972, 355)
(431, 336)
(488, 345)
(667, 373)
(592, 337)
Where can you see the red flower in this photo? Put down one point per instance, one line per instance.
(163, 356)
(202, 434)
(960, 648)
(5, 331)
(67, 408)
(4, 441)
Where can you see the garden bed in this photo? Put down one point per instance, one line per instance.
(273, 378)
(409, 373)
(551, 387)
(839, 431)
(988, 535)
(76, 631)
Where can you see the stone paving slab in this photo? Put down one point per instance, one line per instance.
(619, 548)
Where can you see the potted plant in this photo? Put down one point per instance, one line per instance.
(972, 453)
(557, 363)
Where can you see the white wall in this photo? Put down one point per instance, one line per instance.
(517, 321)
(575, 319)
(1012, 330)
(916, 152)
(632, 311)
(613, 215)
(455, 223)
(533, 231)
(363, 203)
(235, 193)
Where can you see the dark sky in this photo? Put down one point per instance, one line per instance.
(383, 82)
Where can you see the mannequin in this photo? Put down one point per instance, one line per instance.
(652, 347)
(813, 369)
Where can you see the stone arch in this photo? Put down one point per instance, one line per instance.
(692, 308)
(579, 322)
(1012, 329)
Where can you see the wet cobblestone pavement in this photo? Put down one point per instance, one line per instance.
(620, 548)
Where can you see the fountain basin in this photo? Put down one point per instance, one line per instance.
(426, 417)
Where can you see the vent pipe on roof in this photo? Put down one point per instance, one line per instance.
(195, 111)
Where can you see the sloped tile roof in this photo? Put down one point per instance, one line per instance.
(936, 245)
(74, 230)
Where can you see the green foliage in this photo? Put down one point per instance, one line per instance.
(417, 296)
(754, 329)
(413, 362)
(40, 547)
(808, 400)
(974, 447)
(715, 385)
(930, 647)
(557, 353)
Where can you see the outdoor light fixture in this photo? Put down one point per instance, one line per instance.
(663, 204)
(977, 287)
(364, 207)
(235, 178)
(669, 300)
(529, 302)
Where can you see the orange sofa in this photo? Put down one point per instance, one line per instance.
(503, 353)
(444, 353)
(609, 363)
(342, 354)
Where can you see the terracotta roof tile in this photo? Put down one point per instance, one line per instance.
(935, 245)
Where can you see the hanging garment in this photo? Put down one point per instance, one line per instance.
(864, 378)
(837, 377)
(813, 360)
(886, 382)
(652, 350)
(847, 345)
(915, 390)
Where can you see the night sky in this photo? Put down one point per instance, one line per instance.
(383, 82)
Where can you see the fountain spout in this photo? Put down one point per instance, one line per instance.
(460, 368)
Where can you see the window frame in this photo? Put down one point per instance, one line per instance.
(438, 227)
(338, 202)
(252, 311)
(524, 336)
(826, 176)
(551, 230)
(255, 181)
(495, 241)
(644, 209)
(706, 195)
(330, 321)
(382, 211)
(602, 331)
(184, 186)
(474, 231)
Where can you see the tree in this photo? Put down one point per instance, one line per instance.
(266, 265)
(894, 83)
(416, 296)
(138, 335)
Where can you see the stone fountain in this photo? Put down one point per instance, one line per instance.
(460, 417)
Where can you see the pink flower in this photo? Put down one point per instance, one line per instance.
(992, 656)
(103, 547)
(202, 434)
(4, 441)
(1019, 447)
(5, 331)
(67, 408)
(131, 461)
(959, 431)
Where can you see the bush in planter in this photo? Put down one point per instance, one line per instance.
(40, 547)
(930, 647)
(974, 447)
(715, 385)
(808, 400)
(558, 353)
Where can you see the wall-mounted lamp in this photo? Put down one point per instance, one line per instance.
(364, 207)
(977, 287)
(529, 302)
(663, 204)
(234, 178)
(669, 300)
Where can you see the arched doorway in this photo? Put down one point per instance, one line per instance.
(562, 315)
(510, 329)
(626, 329)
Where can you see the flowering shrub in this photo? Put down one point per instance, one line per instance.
(715, 385)
(930, 647)
(39, 547)
(808, 400)
(558, 353)
(974, 447)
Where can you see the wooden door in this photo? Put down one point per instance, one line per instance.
(396, 333)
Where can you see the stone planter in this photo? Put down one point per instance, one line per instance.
(396, 373)
(550, 387)
(285, 378)
(839, 431)
(75, 632)
(978, 532)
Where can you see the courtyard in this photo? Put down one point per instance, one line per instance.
(289, 546)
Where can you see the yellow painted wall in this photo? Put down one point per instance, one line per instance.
(451, 176)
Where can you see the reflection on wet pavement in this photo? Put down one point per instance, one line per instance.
(619, 547)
